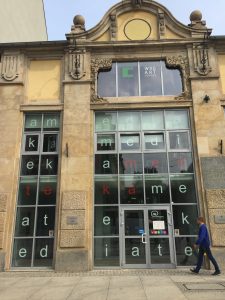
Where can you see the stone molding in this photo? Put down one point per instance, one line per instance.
(181, 62)
(98, 63)
(10, 66)
(3, 202)
(201, 59)
(76, 64)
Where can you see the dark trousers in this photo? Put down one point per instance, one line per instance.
(210, 256)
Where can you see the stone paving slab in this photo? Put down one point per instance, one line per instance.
(112, 285)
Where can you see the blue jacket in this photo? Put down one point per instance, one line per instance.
(203, 237)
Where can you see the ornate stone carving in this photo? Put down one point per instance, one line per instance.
(162, 25)
(181, 62)
(201, 59)
(136, 3)
(96, 65)
(77, 64)
(113, 26)
(9, 70)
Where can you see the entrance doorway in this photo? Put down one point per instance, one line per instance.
(147, 240)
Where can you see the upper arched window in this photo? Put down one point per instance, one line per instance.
(145, 78)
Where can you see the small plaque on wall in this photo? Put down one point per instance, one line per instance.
(71, 220)
(220, 219)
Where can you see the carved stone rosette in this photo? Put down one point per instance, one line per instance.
(9, 70)
(77, 64)
(96, 65)
(181, 62)
(201, 59)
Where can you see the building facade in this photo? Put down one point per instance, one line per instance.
(112, 143)
(22, 21)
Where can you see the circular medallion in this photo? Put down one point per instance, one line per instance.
(137, 29)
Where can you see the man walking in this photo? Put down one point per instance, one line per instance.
(204, 247)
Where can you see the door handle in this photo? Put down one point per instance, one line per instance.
(143, 238)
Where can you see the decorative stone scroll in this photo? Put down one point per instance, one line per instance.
(9, 70)
(136, 3)
(113, 26)
(182, 63)
(96, 65)
(201, 59)
(77, 64)
(162, 24)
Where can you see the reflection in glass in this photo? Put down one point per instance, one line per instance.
(105, 121)
(107, 82)
(47, 190)
(129, 121)
(27, 191)
(177, 119)
(22, 252)
(43, 252)
(106, 164)
(29, 165)
(31, 142)
(106, 190)
(179, 140)
(46, 221)
(135, 251)
(150, 75)
(106, 220)
(129, 141)
(24, 221)
(130, 163)
(158, 223)
(33, 122)
(183, 188)
(131, 190)
(180, 162)
(50, 142)
(49, 164)
(155, 163)
(134, 222)
(106, 252)
(51, 121)
(106, 142)
(186, 255)
(172, 80)
(152, 120)
(184, 218)
(157, 189)
(154, 141)
(128, 79)
(160, 251)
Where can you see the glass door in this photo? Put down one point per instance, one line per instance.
(147, 237)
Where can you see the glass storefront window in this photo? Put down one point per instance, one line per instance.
(105, 121)
(143, 163)
(128, 79)
(35, 214)
(150, 77)
(145, 78)
(183, 188)
(186, 255)
(107, 82)
(131, 189)
(177, 119)
(152, 120)
(106, 190)
(106, 221)
(184, 218)
(157, 189)
(129, 121)
(106, 252)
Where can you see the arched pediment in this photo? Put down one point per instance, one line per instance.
(139, 20)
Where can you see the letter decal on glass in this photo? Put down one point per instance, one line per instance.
(135, 251)
(184, 219)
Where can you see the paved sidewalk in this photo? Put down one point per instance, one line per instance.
(176, 284)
